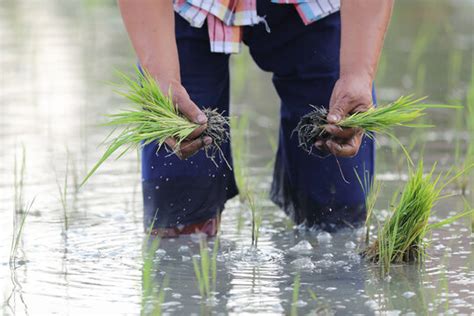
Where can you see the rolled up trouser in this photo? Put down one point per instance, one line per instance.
(313, 189)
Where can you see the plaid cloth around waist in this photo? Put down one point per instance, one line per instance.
(225, 18)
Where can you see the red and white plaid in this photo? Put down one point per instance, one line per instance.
(225, 18)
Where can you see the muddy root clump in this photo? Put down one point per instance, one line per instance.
(218, 130)
(311, 128)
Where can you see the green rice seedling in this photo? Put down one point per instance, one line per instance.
(153, 117)
(205, 269)
(152, 298)
(19, 178)
(296, 295)
(420, 79)
(18, 226)
(63, 192)
(239, 127)
(401, 239)
(371, 190)
(381, 120)
(324, 306)
(256, 211)
(465, 122)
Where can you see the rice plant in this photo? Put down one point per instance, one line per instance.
(295, 295)
(205, 268)
(371, 190)
(465, 121)
(18, 226)
(381, 120)
(63, 193)
(256, 211)
(153, 117)
(152, 298)
(401, 239)
(239, 127)
(19, 180)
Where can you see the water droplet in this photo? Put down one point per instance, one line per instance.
(324, 237)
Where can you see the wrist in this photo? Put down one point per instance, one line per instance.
(363, 77)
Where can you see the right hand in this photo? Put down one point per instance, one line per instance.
(194, 142)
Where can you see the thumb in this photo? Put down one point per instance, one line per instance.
(186, 106)
(337, 111)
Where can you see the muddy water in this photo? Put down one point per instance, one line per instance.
(86, 257)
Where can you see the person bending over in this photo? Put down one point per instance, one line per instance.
(320, 52)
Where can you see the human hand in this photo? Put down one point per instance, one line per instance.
(351, 94)
(194, 142)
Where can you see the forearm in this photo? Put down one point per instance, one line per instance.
(364, 24)
(150, 25)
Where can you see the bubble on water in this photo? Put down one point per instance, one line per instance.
(303, 264)
(300, 303)
(323, 263)
(350, 245)
(373, 305)
(458, 301)
(353, 257)
(197, 237)
(302, 247)
(160, 253)
(324, 237)
(408, 294)
(328, 256)
(184, 249)
(388, 278)
(185, 258)
(331, 289)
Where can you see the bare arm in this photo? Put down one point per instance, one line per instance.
(364, 24)
(150, 26)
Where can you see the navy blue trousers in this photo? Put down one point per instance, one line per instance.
(304, 61)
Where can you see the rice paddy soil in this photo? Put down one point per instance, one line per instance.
(93, 264)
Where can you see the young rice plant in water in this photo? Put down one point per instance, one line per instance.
(256, 211)
(401, 239)
(205, 268)
(153, 117)
(152, 298)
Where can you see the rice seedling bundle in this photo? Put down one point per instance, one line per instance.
(154, 117)
(382, 119)
(401, 239)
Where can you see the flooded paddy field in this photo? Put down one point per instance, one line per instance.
(83, 250)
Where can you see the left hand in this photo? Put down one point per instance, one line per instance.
(351, 94)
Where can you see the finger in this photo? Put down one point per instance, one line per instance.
(348, 149)
(338, 110)
(187, 107)
(172, 144)
(321, 145)
(362, 108)
(189, 148)
(342, 133)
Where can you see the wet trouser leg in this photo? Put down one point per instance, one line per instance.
(183, 192)
(304, 61)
